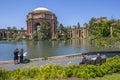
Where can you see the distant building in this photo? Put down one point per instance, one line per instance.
(101, 19)
(82, 32)
(8, 33)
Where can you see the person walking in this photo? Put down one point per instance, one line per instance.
(21, 55)
(16, 56)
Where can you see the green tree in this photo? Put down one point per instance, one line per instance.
(102, 29)
(78, 25)
(45, 31)
(99, 29)
(92, 26)
(14, 30)
(35, 35)
(15, 34)
(63, 32)
(116, 28)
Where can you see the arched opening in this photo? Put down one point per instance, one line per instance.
(36, 30)
(37, 27)
(45, 30)
(42, 31)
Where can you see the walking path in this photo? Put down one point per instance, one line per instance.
(60, 60)
(63, 62)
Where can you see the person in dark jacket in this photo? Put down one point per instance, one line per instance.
(21, 55)
(98, 60)
(84, 60)
(16, 56)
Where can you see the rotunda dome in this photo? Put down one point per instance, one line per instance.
(41, 9)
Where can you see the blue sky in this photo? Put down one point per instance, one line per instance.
(68, 12)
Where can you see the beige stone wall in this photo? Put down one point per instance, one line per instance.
(79, 32)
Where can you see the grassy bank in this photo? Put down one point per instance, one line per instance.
(110, 77)
(107, 42)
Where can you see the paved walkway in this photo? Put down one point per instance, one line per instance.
(60, 60)
(63, 62)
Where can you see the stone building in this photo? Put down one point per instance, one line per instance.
(79, 32)
(37, 17)
(8, 33)
(101, 19)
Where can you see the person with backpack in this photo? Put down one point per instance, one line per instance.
(21, 55)
(16, 56)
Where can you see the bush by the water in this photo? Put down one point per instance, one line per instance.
(26, 60)
(107, 42)
(52, 71)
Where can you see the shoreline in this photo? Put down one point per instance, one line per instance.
(48, 58)
(65, 56)
(63, 60)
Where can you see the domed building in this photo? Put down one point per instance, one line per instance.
(37, 17)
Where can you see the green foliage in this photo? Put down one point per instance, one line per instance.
(45, 58)
(35, 35)
(100, 28)
(44, 33)
(63, 32)
(107, 42)
(3, 74)
(110, 77)
(69, 70)
(26, 60)
(53, 71)
(78, 25)
(14, 30)
(101, 42)
(116, 29)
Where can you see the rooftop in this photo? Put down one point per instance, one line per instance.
(41, 9)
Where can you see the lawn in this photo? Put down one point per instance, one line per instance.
(115, 76)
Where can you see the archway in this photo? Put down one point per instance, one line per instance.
(37, 27)
(42, 31)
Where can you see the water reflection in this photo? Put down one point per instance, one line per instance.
(38, 49)
(81, 45)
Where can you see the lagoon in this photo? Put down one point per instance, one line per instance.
(40, 49)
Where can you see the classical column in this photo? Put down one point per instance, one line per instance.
(27, 27)
(87, 31)
(3, 34)
(111, 30)
(53, 32)
(30, 28)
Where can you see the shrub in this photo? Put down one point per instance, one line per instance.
(53, 71)
(45, 58)
(26, 60)
(3, 74)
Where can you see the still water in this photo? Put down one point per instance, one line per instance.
(39, 49)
